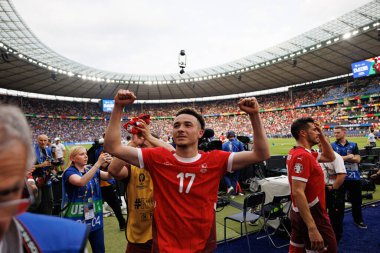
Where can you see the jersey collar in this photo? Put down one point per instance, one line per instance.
(187, 160)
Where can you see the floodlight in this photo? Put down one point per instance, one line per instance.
(182, 61)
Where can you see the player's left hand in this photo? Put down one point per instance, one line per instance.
(249, 105)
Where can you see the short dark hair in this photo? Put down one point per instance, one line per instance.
(194, 113)
(341, 128)
(300, 124)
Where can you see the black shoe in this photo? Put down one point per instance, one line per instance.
(361, 225)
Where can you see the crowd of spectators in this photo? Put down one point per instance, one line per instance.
(219, 115)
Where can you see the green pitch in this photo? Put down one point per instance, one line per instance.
(281, 146)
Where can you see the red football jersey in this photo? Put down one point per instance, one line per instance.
(185, 191)
(302, 165)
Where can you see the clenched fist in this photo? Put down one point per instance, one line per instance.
(249, 105)
(124, 97)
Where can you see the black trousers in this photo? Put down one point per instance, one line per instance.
(335, 210)
(354, 190)
(109, 195)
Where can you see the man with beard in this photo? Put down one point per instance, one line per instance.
(311, 228)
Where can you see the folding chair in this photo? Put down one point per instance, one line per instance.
(272, 211)
(251, 202)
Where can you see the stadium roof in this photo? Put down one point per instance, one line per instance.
(26, 64)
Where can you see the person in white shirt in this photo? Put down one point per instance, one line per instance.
(372, 138)
(59, 151)
(335, 173)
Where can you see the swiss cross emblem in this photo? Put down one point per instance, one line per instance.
(203, 168)
(298, 168)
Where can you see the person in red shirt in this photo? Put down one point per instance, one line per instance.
(185, 181)
(311, 228)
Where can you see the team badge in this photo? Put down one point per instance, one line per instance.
(298, 168)
(203, 168)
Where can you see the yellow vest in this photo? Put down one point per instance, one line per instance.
(139, 195)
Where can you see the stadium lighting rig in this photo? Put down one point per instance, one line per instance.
(182, 61)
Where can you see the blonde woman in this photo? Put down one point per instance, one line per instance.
(82, 198)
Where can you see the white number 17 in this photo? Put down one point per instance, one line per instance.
(181, 177)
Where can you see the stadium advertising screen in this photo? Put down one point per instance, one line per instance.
(367, 67)
(108, 105)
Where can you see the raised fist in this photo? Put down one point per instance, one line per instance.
(249, 105)
(124, 97)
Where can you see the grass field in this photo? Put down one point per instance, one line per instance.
(281, 146)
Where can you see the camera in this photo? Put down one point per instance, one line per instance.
(205, 142)
(53, 178)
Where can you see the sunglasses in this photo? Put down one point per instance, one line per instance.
(17, 206)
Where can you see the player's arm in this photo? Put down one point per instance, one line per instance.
(260, 151)
(327, 154)
(298, 192)
(118, 169)
(112, 141)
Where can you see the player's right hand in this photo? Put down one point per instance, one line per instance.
(316, 240)
(124, 97)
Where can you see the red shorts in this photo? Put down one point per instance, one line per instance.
(300, 236)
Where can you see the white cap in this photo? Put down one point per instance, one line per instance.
(57, 139)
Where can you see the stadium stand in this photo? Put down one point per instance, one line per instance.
(329, 103)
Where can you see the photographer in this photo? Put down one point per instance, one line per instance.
(232, 178)
(59, 151)
(42, 176)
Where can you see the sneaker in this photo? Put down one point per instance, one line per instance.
(241, 194)
(230, 190)
(361, 225)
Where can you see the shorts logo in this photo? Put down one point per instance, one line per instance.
(298, 168)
